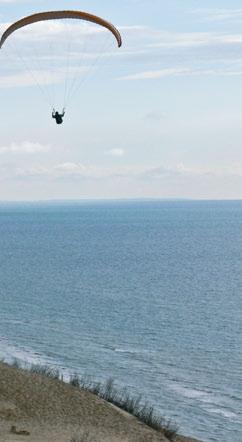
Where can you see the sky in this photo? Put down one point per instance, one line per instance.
(161, 117)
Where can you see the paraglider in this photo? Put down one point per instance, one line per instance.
(70, 52)
(58, 117)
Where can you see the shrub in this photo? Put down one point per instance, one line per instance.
(75, 381)
(133, 405)
(44, 370)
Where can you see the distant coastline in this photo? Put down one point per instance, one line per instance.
(118, 200)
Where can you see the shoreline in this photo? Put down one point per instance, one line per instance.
(43, 409)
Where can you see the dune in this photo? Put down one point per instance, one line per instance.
(39, 409)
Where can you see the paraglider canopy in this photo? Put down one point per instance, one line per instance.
(55, 15)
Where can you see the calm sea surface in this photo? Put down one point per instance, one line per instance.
(148, 293)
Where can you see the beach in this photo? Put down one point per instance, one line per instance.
(36, 408)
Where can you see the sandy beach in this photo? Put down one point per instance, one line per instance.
(38, 409)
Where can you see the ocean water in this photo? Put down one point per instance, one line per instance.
(148, 293)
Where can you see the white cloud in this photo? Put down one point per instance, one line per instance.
(233, 170)
(186, 71)
(22, 79)
(194, 39)
(25, 147)
(78, 170)
(32, 77)
(150, 75)
(72, 171)
(219, 14)
(31, 172)
(162, 54)
(181, 53)
(116, 152)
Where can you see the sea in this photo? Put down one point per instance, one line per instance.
(148, 293)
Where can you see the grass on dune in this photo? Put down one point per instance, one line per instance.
(131, 404)
(121, 398)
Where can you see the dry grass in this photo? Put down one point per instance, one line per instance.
(38, 401)
(135, 406)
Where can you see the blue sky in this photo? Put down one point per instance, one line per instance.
(162, 118)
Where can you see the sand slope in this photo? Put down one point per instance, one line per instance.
(38, 409)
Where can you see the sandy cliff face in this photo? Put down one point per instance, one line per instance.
(39, 409)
